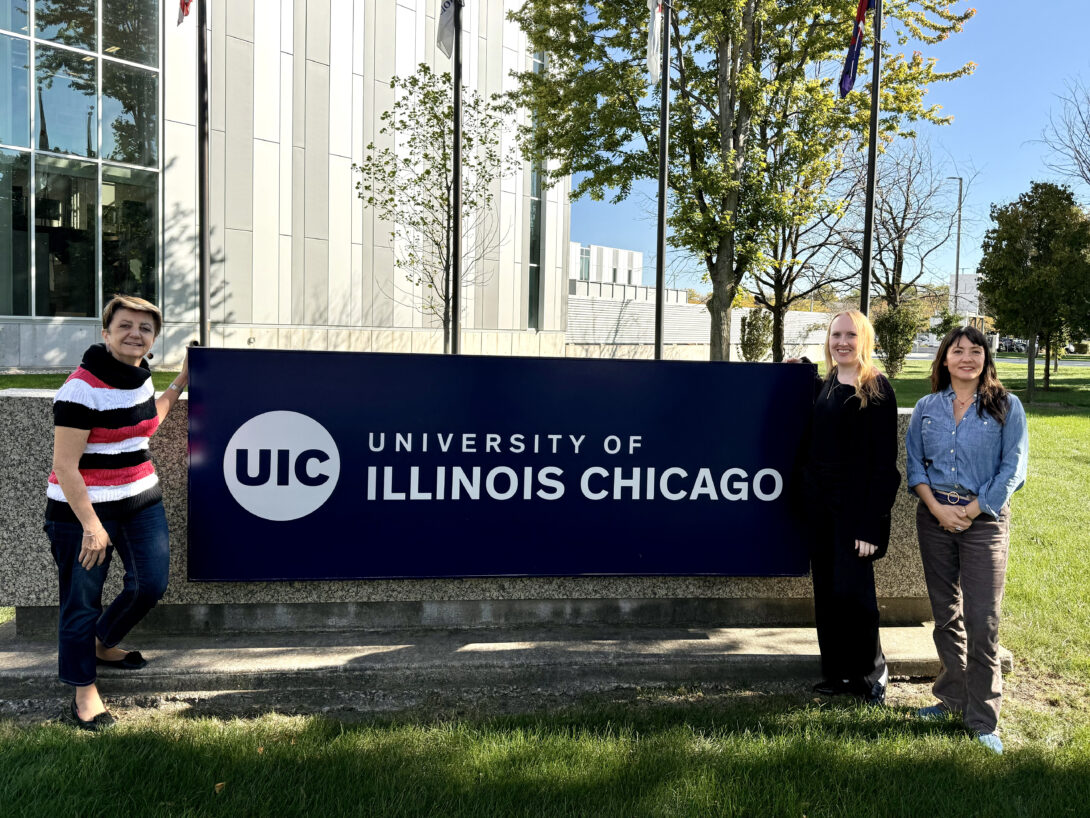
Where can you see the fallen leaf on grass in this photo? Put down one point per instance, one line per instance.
(260, 750)
(220, 786)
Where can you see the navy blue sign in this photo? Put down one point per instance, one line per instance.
(337, 465)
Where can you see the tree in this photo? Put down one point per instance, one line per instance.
(410, 183)
(1034, 274)
(741, 69)
(802, 260)
(756, 334)
(915, 215)
(1068, 134)
(895, 328)
(947, 322)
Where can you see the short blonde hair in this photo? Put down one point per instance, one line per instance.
(131, 302)
(866, 383)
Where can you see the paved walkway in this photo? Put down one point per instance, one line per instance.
(399, 670)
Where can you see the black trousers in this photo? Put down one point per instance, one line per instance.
(846, 607)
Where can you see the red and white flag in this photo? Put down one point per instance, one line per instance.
(183, 9)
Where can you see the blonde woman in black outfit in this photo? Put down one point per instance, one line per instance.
(850, 481)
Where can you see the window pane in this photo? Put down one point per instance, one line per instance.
(66, 102)
(14, 91)
(129, 114)
(71, 22)
(14, 233)
(129, 227)
(64, 237)
(535, 231)
(13, 16)
(130, 30)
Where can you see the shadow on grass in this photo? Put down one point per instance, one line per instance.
(755, 758)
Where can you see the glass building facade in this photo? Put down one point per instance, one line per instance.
(79, 154)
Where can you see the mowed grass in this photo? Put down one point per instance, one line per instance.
(660, 753)
(764, 757)
(53, 380)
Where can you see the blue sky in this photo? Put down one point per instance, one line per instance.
(1025, 55)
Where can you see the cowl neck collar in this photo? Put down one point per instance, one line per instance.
(99, 362)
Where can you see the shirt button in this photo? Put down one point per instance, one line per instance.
(954, 469)
(951, 451)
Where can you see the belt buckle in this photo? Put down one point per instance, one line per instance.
(953, 498)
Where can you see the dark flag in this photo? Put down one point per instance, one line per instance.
(851, 63)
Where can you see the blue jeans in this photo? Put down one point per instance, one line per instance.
(142, 542)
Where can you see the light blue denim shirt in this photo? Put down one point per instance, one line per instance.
(978, 456)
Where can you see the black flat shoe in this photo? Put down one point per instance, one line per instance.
(130, 661)
(832, 687)
(102, 721)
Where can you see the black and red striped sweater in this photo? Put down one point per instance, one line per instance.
(115, 402)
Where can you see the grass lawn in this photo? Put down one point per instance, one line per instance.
(765, 751)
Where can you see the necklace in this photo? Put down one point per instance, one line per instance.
(964, 403)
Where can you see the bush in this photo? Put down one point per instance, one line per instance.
(895, 329)
(756, 334)
(1082, 348)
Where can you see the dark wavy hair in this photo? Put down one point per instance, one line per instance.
(991, 394)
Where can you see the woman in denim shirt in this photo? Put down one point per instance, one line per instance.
(966, 447)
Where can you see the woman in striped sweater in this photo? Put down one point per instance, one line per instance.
(104, 495)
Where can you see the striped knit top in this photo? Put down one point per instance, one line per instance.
(115, 402)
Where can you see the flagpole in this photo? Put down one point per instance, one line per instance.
(203, 202)
(664, 153)
(455, 285)
(872, 155)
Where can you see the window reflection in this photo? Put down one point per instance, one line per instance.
(66, 102)
(71, 22)
(14, 91)
(13, 16)
(129, 114)
(129, 228)
(130, 30)
(14, 222)
(64, 237)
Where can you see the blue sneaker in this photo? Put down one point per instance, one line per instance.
(935, 712)
(992, 742)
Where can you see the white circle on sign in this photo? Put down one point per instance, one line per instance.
(281, 465)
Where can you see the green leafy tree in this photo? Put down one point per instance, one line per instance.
(947, 322)
(756, 335)
(1034, 274)
(409, 181)
(895, 328)
(747, 74)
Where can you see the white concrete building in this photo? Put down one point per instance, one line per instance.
(608, 265)
(98, 178)
(964, 296)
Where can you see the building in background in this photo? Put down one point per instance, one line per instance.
(98, 178)
(964, 297)
(608, 265)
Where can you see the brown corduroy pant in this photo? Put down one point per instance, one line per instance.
(965, 573)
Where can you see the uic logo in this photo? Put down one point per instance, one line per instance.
(281, 465)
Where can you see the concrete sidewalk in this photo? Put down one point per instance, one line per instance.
(403, 670)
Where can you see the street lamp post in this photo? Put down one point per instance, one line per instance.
(957, 251)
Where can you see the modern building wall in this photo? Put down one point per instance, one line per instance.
(297, 89)
(609, 265)
(964, 296)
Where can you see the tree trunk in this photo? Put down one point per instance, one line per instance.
(777, 332)
(1031, 357)
(1048, 357)
(724, 287)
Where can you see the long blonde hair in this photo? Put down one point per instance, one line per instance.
(866, 381)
